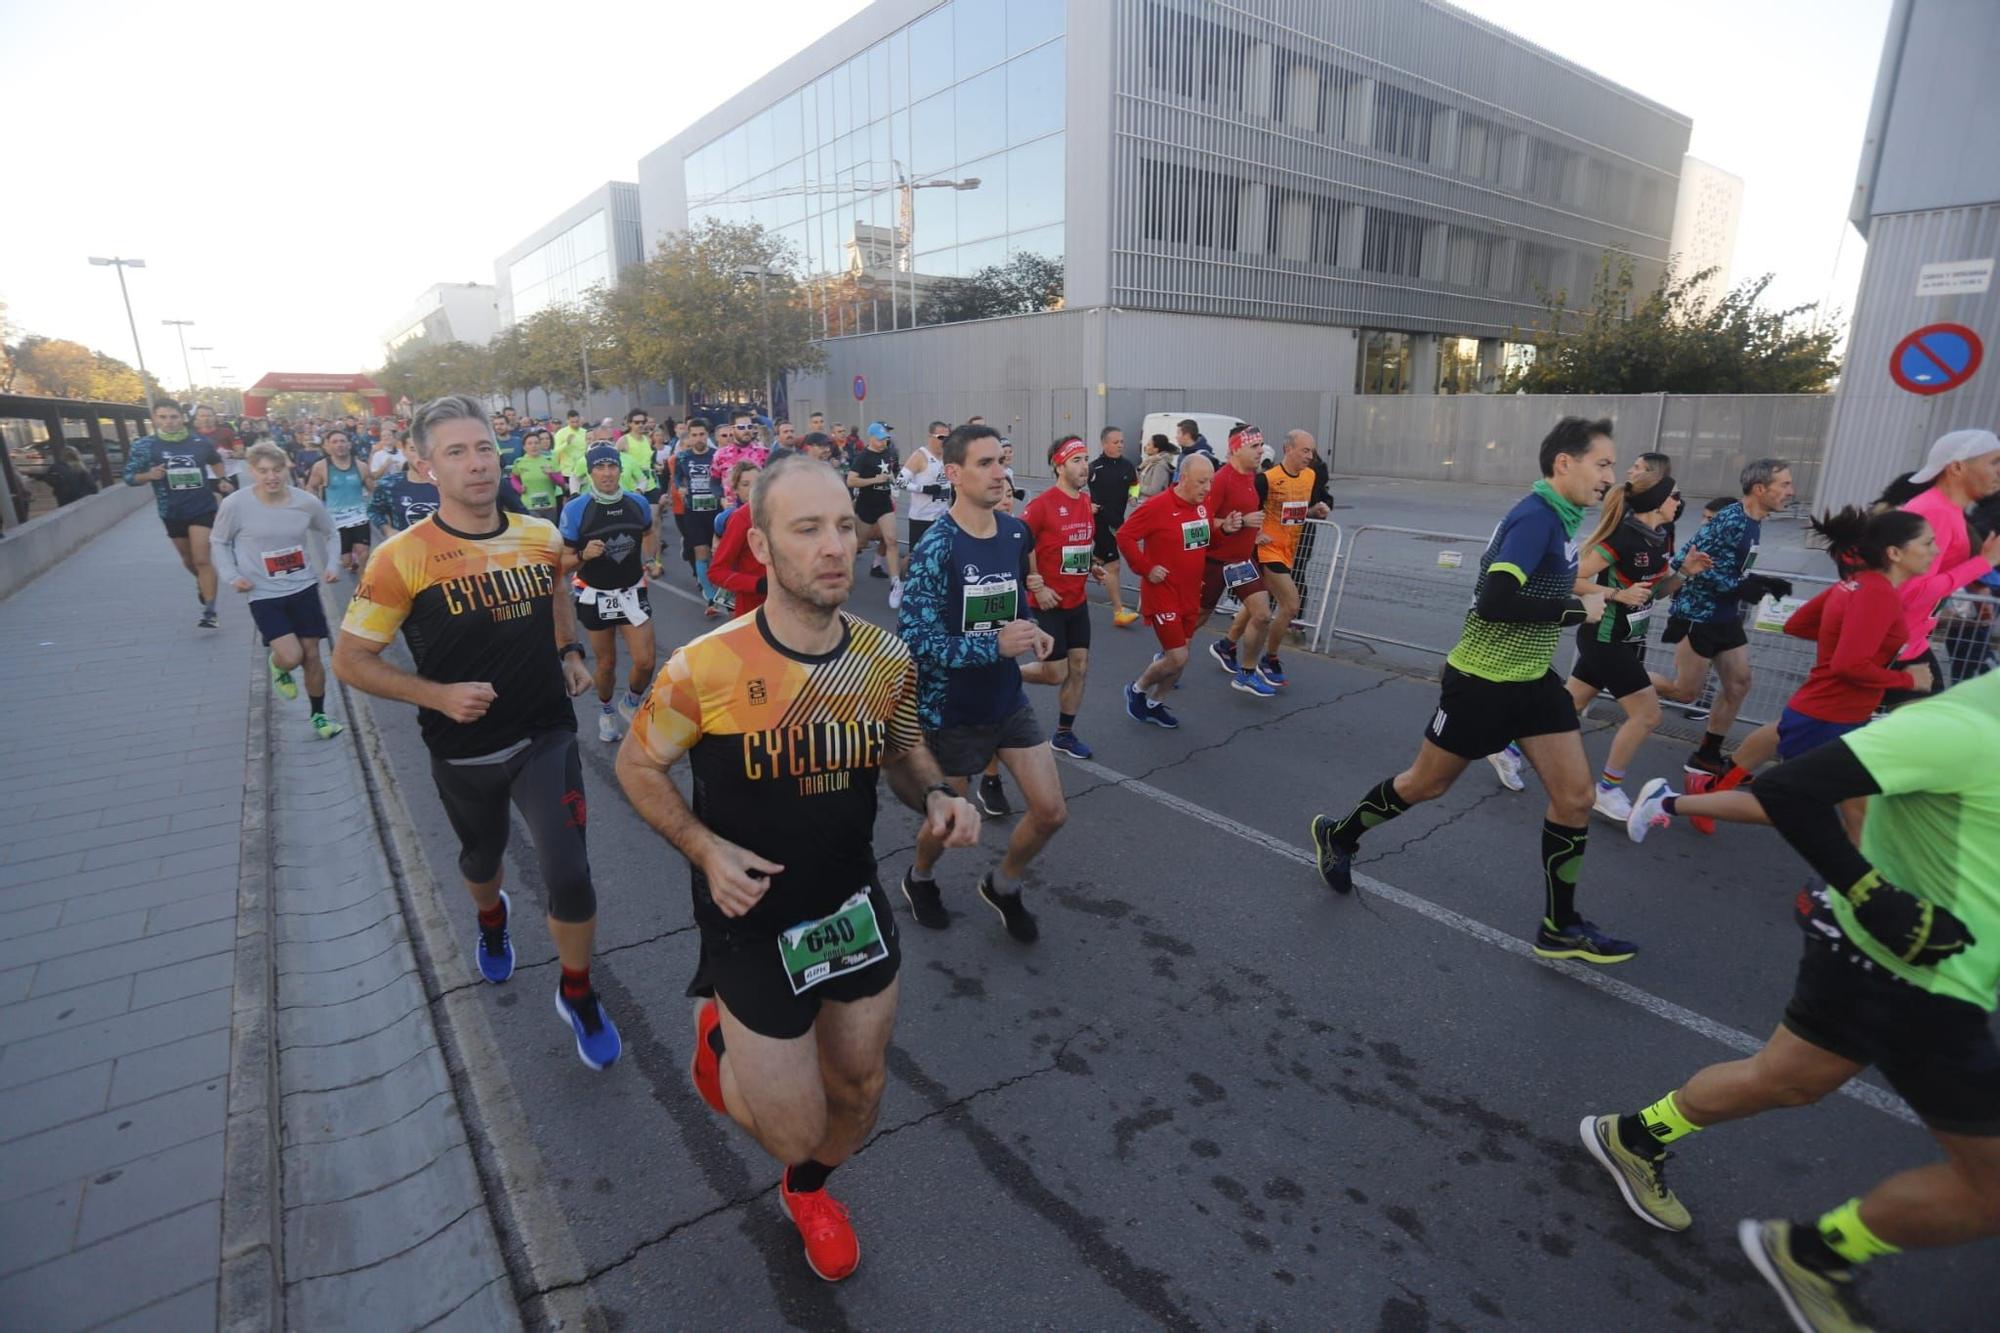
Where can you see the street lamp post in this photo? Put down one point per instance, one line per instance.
(180, 331)
(203, 352)
(121, 265)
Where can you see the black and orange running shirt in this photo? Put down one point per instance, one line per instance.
(472, 607)
(785, 749)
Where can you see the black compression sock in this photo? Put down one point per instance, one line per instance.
(318, 702)
(1711, 744)
(1065, 721)
(715, 1040)
(806, 1177)
(1633, 1137)
(1379, 806)
(1562, 861)
(1809, 1247)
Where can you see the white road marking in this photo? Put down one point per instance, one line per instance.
(1865, 1093)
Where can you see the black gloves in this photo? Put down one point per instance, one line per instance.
(1756, 587)
(1921, 934)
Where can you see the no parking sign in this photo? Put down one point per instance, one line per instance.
(1936, 358)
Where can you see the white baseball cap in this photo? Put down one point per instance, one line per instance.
(1956, 447)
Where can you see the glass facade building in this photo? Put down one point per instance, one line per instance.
(586, 246)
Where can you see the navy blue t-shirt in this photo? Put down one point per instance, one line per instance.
(957, 594)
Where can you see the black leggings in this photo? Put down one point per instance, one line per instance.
(545, 783)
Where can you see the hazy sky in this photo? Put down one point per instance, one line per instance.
(391, 146)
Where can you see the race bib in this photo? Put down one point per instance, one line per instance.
(615, 604)
(285, 560)
(989, 605)
(184, 478)
(1194, 534)
(538, 501)
(1239, 573)
(354, 518)
(847, 941)
(1291, 513)
(1076, 559)
(703, 504)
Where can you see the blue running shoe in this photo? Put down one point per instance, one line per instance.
(496, 948)
(1251, 683)
(1272, 673)
(1135, 704)
(1224, 653)
(597, 1042)
(1067, 742)
(1584, 942)
(1158, 715)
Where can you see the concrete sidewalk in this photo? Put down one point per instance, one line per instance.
(221, 1095)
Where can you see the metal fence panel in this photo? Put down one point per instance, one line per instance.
(1315, 568)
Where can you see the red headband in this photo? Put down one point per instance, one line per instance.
(1068, 451)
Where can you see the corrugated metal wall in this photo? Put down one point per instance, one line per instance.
(1881, 430)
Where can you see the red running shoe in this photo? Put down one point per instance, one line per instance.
(831, 1248)
(1737, 776)
(1698, 783)
(706, 1066)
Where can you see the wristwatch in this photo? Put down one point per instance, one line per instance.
(569, 648)
(944, 787)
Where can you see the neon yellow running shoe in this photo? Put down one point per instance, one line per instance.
(1811, 1298)
(282, 681)
(1641, 1180)
(325, 727)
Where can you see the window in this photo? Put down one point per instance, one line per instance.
(982, 212)
(1403, 122)
(930, 53)
(1469, 257)
(979, 34)
(1480, 142)
(933, 135)
(1187, 205)
(1542, 269)
(1035, 184)
(1551, 171)
(1458, 365)
(1384, 363)
(1392, 243)
(1032, 22)
(1190, 57)
(1035, 94)
(982, 115)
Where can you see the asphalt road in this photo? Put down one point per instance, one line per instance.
(1213, 1095)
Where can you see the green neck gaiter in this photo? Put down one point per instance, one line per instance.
(1571, 515)
(171, 437)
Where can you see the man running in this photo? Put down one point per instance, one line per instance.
(186, 474)
(962, 618)
(476, 593)
(1059, 572)
(1498, 686)
(270, 542)
(1287, 487)
(570, 444)
(1166, 541)
(1705, 623)
(1901, 968)
(1236, 503)
(786, 718)
(602, 529)
(343, 485)
(1112, 479)
(923, 477)
(699, 489)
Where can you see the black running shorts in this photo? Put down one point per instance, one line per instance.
(1105, 546)
(743, 970)
(1708, 638)
(697, 529)
(1938, 1053)
(1618, 669)
(300, 613)
(962, 752)
(1068, 626)
(353, 536)
(177, 528)
(1476, 717)
(588, 617)
(544, 782)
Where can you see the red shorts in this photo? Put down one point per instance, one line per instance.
(1172, 628)
(1212, 588)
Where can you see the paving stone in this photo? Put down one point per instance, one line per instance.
(113, 1138)
(65, 940)
(198, 1059)
(39, 1227)
(65, 1011)
(216, 906)
(36, 1106)
(355, 1060)
(151, 1262)
(126, 1196)
(140, 897)
(315, 1117)
(366, 1229)
(74, 883)
(331, 955)
(341, 1168)
(107, 852)
(330, 927)
(16, 983)
(52, 844)
(109, 1038)
(197, 975)
(192, 1311)
(333, 891)
(29, 920)
(309, 990)
(137, 956)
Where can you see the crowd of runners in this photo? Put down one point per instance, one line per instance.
(486, 540)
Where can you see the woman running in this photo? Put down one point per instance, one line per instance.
(1860, 628)
(1631, 554)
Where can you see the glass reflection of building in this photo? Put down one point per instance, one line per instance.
(868, 172)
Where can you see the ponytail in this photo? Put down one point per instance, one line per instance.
(1903, 490)
(1859, 539)
(1609, 518)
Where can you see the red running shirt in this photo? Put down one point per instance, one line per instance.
(1167, 530)
(1235, 492)
(1064, 530)
(1860, 629)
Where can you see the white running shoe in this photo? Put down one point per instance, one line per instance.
(1613, 804)
(1646, 812)
(895, 593)
(1508, 765)
(608, 729)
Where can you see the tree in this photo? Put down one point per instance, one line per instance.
(421, 369)
(1023, 285)
(57, 367)
(1671, 340)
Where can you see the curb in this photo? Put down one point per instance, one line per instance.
(546, 1265)
(250, 1294)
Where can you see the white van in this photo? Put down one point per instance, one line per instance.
(1214, 427)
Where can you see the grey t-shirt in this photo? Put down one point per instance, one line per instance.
(280, 548)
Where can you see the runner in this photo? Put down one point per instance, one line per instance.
(737, 571)
(570, 443)
(343, 484)
(284, 534)
(537, 479)
(1059, 572)
(1498, 686)
(961, 617)
(186, 475)
(475, 592)
(603, 528)
(1287, 487)
(797, 981)
(737, 443)
(636, 474)
(1112, 479)
(923, 477)
(1165, 541)
(870, 479)
(1706, 623)
(1963, 469)
(1900, 970)
(1628, 556)
(699, 490)
(1236, 502)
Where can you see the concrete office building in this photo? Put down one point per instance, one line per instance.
(1706, 211)
(447, 312)
(586, 245)
(1927, 200)
(1255, 207)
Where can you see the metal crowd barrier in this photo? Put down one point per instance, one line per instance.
(1314, 567)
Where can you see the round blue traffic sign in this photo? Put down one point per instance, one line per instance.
(1935, 358)
(860, 388)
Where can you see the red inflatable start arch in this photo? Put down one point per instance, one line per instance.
(257, 398)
